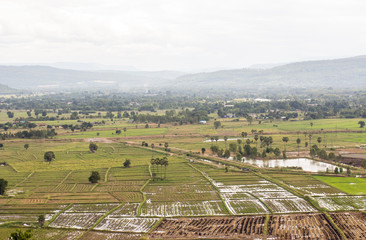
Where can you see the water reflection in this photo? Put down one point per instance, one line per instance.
(306, 164)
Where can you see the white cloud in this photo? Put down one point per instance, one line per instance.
(180, 34)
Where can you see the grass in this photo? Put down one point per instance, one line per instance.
(350, 185)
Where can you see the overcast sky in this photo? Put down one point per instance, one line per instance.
(180, 34)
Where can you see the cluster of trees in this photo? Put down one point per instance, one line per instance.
(315, 151)
(17, 124)
(182, 117)
(340, 170)
(29, 134)
(82, 127)
(159, 162)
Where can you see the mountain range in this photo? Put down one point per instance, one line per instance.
(336, 73)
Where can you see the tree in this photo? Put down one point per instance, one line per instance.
(285, 140)
(118, 132)
(26, 146)
(94, 177)
(19, 235)
(203, 150)
(226, 153)
(310, 136)
(348, 171)
(127, 163)
(277, 152)
(336, 170)
(93, 147)
(331, 156)
(166, 145)
(217, 124)
(319, 140)
(216, 139)
(10, 114)
(41, 220)
(250, 120)
(49, 156)
(125, 130)
(3, 185)
(1, 145)
(362, 124)
(214, 148)
(311, 124)
(233, 147)
(298, 141)
(256, 139)
(244, 134)
(165, 163)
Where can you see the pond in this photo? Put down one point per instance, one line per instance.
(306, 164)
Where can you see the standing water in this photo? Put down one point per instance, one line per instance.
(306, 164)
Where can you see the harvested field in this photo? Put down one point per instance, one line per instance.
(133, 224)
(301, 226)
(249, 227)
(172, 209)
(127, 210)
(238, 207)
(91, 208)
(76, 220)
(353, 224)
(289, 205)
(93, 235)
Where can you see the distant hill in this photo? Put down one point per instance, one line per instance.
(6, 89)
(338, 73)
(25, 77)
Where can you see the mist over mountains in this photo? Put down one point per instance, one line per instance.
(337, 73)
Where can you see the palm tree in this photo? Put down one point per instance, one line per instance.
(256, 139)
(261, 138)
(319, 140)
(285, 140)
(244, 134)
(298, 141)
(166, 145)
(216, 139)
(310, 135)
(153, 162)
(165, 163)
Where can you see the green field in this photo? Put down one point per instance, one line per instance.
(350, 185)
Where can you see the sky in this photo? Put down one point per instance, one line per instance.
(180, 34)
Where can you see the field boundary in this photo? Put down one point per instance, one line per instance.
(144, 196)
(265, 227)
(217, 190)
(58, 214)
(269, 209)
(25, 179)
(106, 174)
(63, 180)
(330, 219)
(105, 215)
